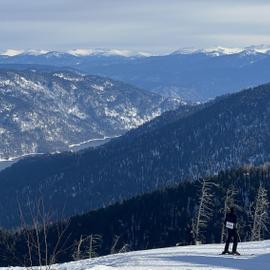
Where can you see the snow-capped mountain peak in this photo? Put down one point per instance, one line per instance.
(83, 52)
(79, 52)
(219, 50)
(107, 52)
(11, 52)
(259, 48)
(35, 52)
(55, 54)
(214, 51)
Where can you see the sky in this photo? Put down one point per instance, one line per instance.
(139, 25)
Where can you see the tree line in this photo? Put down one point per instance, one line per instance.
(189, 213)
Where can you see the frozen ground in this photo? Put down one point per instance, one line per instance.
(255, 256)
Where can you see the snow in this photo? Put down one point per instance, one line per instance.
(98, 87)
(28, 84)
(15, 158)
(129, 116)
(4, 163)
(93, 140)
(125, 53)
(215, 51)
(203, 257)
(219, 50)
(11, 52)
(4, 83)
(79, 52)
(259, 48)
(2, 130)
(107, 52)
(56, 54)
(69, 78)
(36, 52)
(83, 52)
(76, 112)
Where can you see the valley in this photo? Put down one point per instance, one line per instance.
(188, 143)
(134, 135)
(195, 75)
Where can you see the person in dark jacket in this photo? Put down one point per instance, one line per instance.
(230, 223)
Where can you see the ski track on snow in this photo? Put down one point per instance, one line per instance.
(204, 257)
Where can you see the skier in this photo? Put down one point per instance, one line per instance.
(230, 223)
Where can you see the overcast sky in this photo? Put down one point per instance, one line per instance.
(149, 25)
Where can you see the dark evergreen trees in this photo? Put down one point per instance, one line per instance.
(159, 219)
(228, 132)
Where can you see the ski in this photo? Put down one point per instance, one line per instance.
(235, 255)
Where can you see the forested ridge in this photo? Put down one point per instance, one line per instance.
(159, 219)
(229, 132)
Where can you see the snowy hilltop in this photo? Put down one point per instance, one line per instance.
(47, 111)
(255, 255)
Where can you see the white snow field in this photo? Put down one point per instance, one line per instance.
(255, 256)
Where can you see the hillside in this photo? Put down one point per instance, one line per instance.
(229, 132)
(181, 258)
(159, 219)
(196, 75)
(46, 111)
(255, 255)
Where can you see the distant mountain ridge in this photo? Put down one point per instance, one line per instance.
(47, 111)
(184, 144)
(191, 74)
(219, 50)
(81, 52)
(75, 52)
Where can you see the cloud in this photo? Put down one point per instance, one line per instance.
(141, 24)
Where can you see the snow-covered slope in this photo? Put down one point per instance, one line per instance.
(255, 256)
(50, 111)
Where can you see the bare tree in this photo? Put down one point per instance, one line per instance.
(260, 217)
(114, 244)
(35, 228)
(94, 244)
(228, 202)
(92, 241)
(77, 253)
(125, 248)
(205, 209)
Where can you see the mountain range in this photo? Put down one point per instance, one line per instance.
(184, 144)
(45, 111)
(191, 74)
